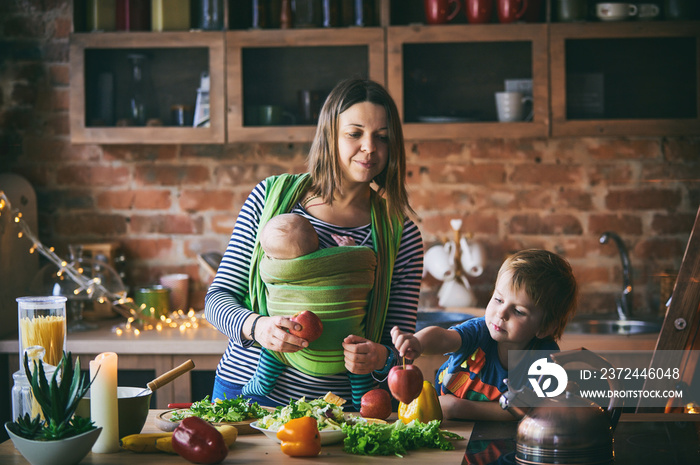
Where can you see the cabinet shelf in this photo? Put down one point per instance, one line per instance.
(625, 79)
(632, 78)
(176, 61)
(449, 74)
(270, 67)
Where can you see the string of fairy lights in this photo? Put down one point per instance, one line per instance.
(138, 318)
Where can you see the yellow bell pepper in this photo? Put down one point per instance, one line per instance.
(424, 408)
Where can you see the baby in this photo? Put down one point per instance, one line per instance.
(289, 236)
(331, 281)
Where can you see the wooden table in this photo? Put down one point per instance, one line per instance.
(258, 449)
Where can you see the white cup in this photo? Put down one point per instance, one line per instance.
(648, 11)
(511, 106)
(472, 257)
(615, 11)
(179, 290)
(438, 261)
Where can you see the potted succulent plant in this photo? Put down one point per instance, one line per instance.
(60, 437)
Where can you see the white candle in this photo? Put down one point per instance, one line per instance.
(103, 402)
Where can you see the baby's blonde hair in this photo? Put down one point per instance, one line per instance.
(549, 281)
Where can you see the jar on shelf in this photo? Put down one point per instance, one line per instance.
(101, 15)
(170, 15)
(133, 15)
(209, 15)
(306, 13)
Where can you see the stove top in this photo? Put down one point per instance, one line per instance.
(634, 443)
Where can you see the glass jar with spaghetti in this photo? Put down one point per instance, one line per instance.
(42, 322)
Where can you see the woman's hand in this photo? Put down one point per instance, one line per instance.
(271, 332)
(406, 343)
(363, 356)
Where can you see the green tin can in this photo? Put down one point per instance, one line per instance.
(153, 301)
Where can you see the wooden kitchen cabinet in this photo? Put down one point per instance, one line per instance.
(271, 67)
(588, 78)
(174, 65)
(444, 78)
(621, 79)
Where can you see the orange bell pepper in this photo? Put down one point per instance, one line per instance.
(300, 437)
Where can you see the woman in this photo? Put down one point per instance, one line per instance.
(357, 157)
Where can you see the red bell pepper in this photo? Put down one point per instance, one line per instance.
(198, 441)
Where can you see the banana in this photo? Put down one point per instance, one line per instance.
(163, 442)
(143, 442)
(165, 445)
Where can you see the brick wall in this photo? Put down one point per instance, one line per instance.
(166, 204)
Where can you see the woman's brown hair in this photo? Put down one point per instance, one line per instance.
(323, 163)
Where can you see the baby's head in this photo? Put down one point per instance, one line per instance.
(288, 236)
(549, 281)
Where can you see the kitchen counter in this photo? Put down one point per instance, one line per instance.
(163, 350)
(257, 448)
(159, 351)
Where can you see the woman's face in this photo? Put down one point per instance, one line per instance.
(363, 142)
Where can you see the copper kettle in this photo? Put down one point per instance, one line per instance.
(568, 428)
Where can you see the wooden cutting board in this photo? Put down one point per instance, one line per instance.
(17, 266)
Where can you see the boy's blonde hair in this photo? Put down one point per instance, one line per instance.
(549, 281)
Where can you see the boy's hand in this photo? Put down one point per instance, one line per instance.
(406, 343)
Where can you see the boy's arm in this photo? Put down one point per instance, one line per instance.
(455, 408)
(429, 341)
(437, 340)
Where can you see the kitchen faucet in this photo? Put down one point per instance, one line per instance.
(624, 301)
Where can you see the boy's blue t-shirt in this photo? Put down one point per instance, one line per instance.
(474, 372)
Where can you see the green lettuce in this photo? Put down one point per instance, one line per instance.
(395, 438)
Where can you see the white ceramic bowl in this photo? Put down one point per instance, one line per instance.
(62, 452)
(327, 437)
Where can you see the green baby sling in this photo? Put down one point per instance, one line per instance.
(319, 284)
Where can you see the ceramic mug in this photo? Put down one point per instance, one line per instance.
(438, 261)
(472, 257)
(648, 11)
(274, 115)
(571, 10)
(615, 11)
(478, 11)
(510, 11)
(510, 106)
(310, 102)
(437, 11)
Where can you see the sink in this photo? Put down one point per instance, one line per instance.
(441, 319)
(623, 327)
